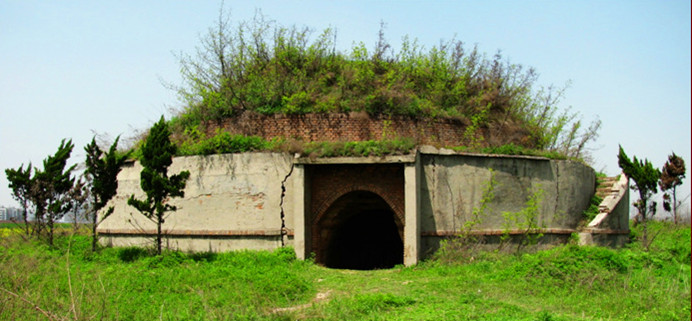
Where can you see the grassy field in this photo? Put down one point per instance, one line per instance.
(69, 282)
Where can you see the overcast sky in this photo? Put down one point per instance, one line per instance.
(69, 69)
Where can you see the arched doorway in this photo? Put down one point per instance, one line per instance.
(359, 231)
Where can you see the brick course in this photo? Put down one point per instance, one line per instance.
(336, 127)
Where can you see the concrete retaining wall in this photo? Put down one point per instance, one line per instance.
(251, 200)
(453, 186)
(232, 201)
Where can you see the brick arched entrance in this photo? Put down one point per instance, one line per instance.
(359, 231)
(343, 192)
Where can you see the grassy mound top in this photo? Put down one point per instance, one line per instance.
(266, 68)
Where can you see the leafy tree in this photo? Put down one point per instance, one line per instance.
(49, 190)
(157, 155)
(102, 170)
(20, 183)
(58, 183)
(672, 174)
(645, 178)
(38, 195)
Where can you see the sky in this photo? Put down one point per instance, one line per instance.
(72, 69)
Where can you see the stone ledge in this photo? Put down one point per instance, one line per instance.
(402, 159)
(196, 233)
(498, 232)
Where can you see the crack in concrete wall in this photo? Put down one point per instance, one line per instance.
(281, 205)
(200, 196)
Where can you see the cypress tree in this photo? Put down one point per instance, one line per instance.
(157, 155)
(102, 170)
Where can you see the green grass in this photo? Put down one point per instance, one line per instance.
(511, 149)
(223, 142)
(565, 283)
(590, 213)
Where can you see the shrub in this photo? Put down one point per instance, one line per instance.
(263, 67)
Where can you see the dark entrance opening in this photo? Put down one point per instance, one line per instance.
(366, 241)
(362, 234)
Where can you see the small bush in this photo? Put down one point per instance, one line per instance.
(132, 253)
(167, 259)
(203, 256)
(590, 213)
(224, 142)
(399, 146)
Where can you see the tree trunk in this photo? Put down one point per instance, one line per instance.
(642, 212)
(26, 218)
(50, 229)
(675, 207)
(158, 235)
(93, 231)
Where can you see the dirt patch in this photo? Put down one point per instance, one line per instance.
(321, 296)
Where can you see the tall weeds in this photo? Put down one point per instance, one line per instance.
(263, 67)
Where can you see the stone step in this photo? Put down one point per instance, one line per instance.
(605, 186)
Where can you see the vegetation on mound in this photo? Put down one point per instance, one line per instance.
(70, 282)
(223, 142)
(262, 67)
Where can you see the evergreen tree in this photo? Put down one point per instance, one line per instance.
(645, 178)
(52, 187)
(157, 155)
(20, 183)
(102, 171)
(672, 174)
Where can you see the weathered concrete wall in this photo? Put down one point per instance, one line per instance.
(228, 197)
(452, 186)
(242, 201)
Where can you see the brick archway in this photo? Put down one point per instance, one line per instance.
(359, 230)
(331, 183)
(321, 210)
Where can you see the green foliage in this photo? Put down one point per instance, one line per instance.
(464, 247)
(224, 142)
(262, 67)
(101, 171)
(511, 149)
(360, 306)
(644, 175)
(131, 253)
(672, 174)
(396, 146)
(564, 283)
(486, 198)
(471, 132)
(645, 178)
(526, 220)
(157, 155)
(20, 183)
(591, 212)
(50, 189)
(134, 284)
